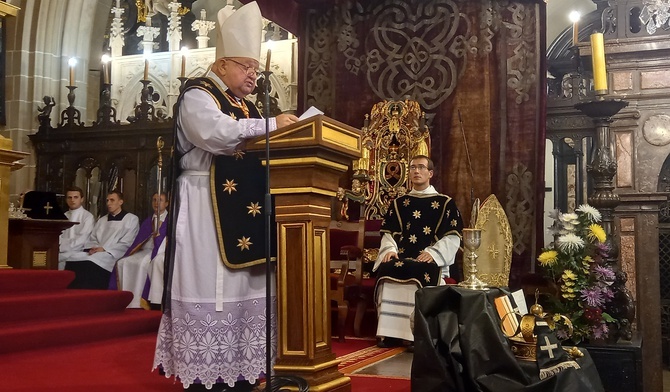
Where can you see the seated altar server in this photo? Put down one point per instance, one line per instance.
(72, 240)
(132, 270)
(421, 234)
(111, 237)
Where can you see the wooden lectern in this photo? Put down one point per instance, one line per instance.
(33, 243)
(307, 160)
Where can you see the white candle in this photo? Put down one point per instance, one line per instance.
(72, 62)
(146, 69)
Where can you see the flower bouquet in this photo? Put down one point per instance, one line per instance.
(576, 263)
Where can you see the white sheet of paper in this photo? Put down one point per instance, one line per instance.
(311, 112)
(520, 300)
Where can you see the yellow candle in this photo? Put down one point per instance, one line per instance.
(267, 62)
(598, 62)
(146, 69)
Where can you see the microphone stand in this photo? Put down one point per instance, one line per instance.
(281, 380)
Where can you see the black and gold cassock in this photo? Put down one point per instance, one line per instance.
(417, 222)
(238, 189)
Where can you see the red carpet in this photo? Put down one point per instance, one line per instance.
(58, 340)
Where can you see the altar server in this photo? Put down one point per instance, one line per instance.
(111, 237)
(421, 234)
(73, 239)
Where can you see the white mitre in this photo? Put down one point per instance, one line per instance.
(240, 32)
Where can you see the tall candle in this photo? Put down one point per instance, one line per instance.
(105, 68)
(183, 65)
(72, 62)
(598, 62)
(105, 73)
(574, 18)
(146, 69)
(267, 62)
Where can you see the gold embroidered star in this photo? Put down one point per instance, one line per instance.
(401, 251)
(426, 230)
(412, 239)
(426, 277)
(243, 243)
(435, 205)
(398, 264)
(238, 154)
(405, 203)
(229, 186)
(454, 223)
(416, 214)
(408, 225)
(254, 209)
(232, 115)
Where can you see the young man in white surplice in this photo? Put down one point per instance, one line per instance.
(73, 239)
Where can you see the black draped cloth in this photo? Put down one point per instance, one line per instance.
(459, 346)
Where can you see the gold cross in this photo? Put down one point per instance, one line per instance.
(48, 207)
(493, 251)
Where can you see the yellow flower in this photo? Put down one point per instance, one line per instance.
(597, 232)
(548, 257)
(568, 274)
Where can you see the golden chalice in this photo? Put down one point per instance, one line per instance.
(472, 239)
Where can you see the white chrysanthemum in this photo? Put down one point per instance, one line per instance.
(570, 243)
(570, 218)
(554, 214)
(569, 227)
(591, 212)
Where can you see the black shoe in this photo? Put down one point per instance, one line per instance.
(386, 342)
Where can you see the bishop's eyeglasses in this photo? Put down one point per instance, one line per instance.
(248, 69)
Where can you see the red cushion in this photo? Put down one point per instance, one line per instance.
(340, 238)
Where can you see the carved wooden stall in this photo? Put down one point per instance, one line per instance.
(104, 156)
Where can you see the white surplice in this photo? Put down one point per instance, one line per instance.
(156, 275)
(133, 269)
(395, 301)
(215, 326)
(115, 236)
(73, 239)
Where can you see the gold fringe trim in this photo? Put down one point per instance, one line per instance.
(553, 370)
